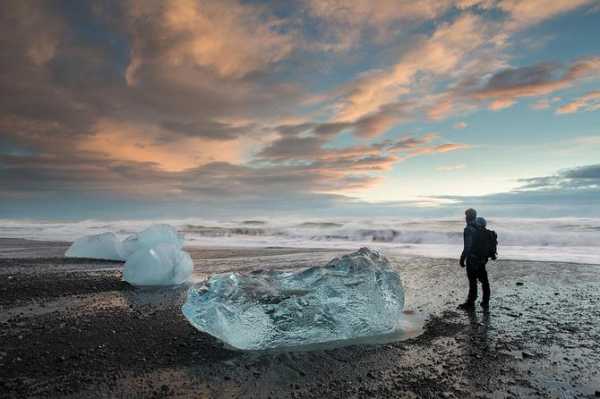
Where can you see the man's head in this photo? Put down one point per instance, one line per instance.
(470, 215)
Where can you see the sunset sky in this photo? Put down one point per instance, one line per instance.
(177, 108)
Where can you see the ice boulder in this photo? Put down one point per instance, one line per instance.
(153, 235)
(352, 297)
(162, 264)
(97, 246)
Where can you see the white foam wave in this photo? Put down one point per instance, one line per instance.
(564, 239)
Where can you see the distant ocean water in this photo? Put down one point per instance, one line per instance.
(562, 239)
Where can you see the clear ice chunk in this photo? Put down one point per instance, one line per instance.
(354, 296)
(98, 246)
(162, 264)
(153, 235)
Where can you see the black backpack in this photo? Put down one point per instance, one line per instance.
(486, 244)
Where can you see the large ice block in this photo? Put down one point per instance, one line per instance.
(97, 246)
(355, 296)
(153, 235)
(162, 264)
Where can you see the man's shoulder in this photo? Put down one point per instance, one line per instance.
(470, 228)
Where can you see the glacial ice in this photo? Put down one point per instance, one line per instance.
(161, 264)
(153, 256)
(352, 297)
(98, 246)
(153, 235)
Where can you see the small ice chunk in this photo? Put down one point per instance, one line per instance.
(153, 235)
(163, 264)
(350, 298)
(98, 246)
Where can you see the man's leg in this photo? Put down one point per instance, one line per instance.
(472, 276)
(485, 286)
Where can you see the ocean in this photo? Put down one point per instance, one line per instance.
(560, 239)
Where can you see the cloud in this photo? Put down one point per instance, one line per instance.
(441, 148)
(569, 192)
(229, 37)
(460, 125)
(180, 121)
(60, 98)
(583, 173)
(525, 13)
(379, 122)
(588, 102)
(579, 178)
(543, 103)
(51, 176)
(439, 54)
(40, 30)
(221, 183)
(411, 143)
(129, 142)
(303, 148)
(508, 85)
(344, 22)
(203, 100)
(501, 103)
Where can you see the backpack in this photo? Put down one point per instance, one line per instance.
(485, 245)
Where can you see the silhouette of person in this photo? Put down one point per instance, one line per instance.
(475, 264)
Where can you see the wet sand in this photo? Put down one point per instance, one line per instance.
(71, 328)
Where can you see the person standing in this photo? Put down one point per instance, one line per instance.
(474, 257)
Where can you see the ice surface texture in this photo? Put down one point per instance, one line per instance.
(154, 256)
(108, 246)
(162, 264)
(98, 246)
(355, 296)
(153, 235)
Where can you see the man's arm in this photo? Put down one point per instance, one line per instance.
(468, 243)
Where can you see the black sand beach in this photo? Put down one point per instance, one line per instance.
(71, 328)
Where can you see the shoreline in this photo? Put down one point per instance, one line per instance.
(74, 329)
(59, 247)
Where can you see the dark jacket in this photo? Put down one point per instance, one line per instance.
(469, 236)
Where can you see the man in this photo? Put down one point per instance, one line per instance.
(475, 258)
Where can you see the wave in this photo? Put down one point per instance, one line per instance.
(520, 235)
(568, 238)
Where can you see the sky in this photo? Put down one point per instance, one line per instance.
(182, 108)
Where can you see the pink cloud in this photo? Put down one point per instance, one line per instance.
(588, 102)
(501, 103)
(232, 38)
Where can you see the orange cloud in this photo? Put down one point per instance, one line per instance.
(442, 148)
(439, 54)
(525, 13)
(588, 102)
(441, 108)
(501, 103)
(346, 20)
(122, 141)
(232, 38)
(376, 124)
